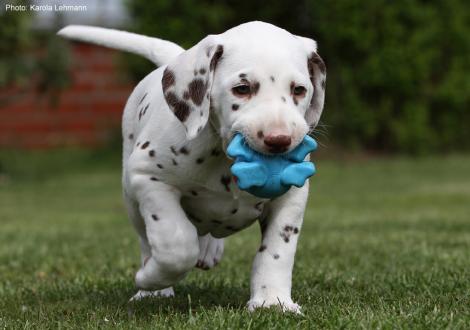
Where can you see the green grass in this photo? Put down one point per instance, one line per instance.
(386, 244)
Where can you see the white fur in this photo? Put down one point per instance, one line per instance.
(176, 177)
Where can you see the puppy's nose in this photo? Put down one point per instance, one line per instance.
(277, 143)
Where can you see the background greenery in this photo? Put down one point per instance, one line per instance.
(398, 71)
(384, 244)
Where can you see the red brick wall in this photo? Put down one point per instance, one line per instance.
(86, 114)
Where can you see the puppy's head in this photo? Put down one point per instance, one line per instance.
(255, 79)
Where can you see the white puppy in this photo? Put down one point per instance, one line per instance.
(256, 79)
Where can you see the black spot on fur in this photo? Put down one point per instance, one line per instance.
(173, 150)
(202, 71)
(283, 99)
(232, 228)
(242, 75)
(131, 136)
(154, 178)
(234, 211)
(184, 151)
(272, 78)
(215, 152)
(154, 217)
(142, 99)
(276, 256)
(263, 287)
(296, 230)
(260, 134)
(168, 79)
(235, 107)
(255, 88)
(159, 165)
(145, 145)
(194, 193)
(152, 153)
(200, 160)
(262, 248)
(225, 180)
(174, 162)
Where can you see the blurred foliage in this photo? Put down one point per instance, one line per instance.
(31, 58)
(398, 71)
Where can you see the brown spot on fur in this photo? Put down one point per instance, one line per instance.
(186, 95)
(260, 134)
(179, 107)
(168, 79)
(216, 57)
(197, 90)
(145, 145)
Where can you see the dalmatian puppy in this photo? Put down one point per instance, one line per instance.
(256, 79)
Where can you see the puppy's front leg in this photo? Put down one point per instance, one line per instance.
(271, 276)
(172, 237)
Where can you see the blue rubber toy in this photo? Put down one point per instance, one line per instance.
(269, 176)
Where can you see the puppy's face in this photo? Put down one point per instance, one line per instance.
(265, 97)
(256, 79)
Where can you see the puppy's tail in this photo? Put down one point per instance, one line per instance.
(156, 50)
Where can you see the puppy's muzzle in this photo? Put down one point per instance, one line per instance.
(277, 143)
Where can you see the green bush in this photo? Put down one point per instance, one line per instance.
(398, 71)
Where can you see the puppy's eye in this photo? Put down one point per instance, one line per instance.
(241, 90)
(300, 90)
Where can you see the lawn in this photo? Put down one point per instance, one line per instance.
(386, 244)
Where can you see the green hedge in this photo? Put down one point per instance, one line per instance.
(398, 71)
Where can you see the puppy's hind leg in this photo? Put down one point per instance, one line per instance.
(211, 250)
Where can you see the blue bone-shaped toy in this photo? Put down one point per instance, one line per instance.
(268, 176)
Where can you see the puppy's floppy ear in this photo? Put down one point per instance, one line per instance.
(317, 71)
(187, 82)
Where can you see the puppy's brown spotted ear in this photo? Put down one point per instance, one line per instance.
(317, 71)
(187, 83)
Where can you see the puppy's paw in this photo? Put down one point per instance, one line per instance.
(141, 294)
(285, 304)
(210, 251)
